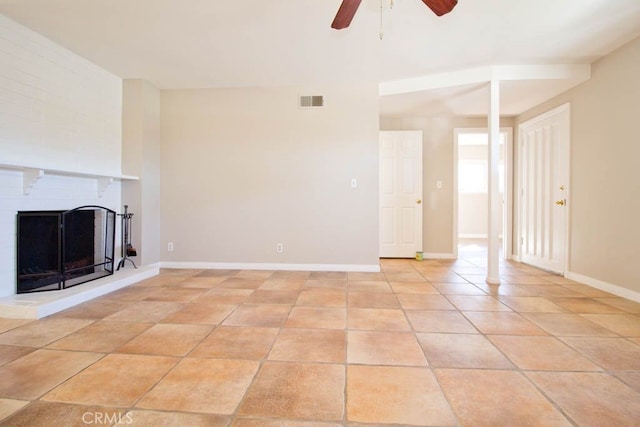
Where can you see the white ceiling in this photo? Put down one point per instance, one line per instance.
(231, 43)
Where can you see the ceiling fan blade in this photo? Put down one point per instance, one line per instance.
(345, 14)
(441, 7)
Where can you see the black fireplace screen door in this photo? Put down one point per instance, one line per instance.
(60, 249)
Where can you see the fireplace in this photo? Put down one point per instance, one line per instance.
(60, 249)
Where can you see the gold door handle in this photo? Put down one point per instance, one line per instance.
(418, 201)
(560, 202)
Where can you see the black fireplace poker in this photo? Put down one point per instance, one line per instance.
(127, 250)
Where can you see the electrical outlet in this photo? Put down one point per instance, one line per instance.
(354, 183)
(170, 247)
(279, 248)
(439, 184)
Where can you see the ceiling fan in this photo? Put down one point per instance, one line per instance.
(348, 9)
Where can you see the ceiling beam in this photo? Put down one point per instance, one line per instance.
(477, 75)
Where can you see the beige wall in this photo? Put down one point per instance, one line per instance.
(244, 169)
(605, 172)
(141, 157)
(437, 133)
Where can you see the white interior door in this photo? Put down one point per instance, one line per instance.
(400, 193)
(544, 178)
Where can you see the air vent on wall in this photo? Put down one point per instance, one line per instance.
(311, 101)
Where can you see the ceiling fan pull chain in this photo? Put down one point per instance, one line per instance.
(382, 2)
(381, 13)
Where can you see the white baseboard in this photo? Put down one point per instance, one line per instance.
(435, 255)
(605, 286)
(366, 268)
(473, 236)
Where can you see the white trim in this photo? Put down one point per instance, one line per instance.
(435, 255)
(472, 236)
(605, 286)
(456, 192)
(547, 114)
(568, 189)
(507, 216)
(518, 190)
(37, 305)
(366, 268)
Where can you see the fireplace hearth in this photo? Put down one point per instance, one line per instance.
(60, 249)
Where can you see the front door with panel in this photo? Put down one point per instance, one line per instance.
(400, 193)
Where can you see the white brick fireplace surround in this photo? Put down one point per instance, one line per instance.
(60, 148)
(53, 192)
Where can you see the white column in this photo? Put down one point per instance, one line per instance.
(495, 209)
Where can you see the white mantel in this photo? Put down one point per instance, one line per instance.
(32, 174)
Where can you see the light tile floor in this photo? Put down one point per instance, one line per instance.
(422, 343)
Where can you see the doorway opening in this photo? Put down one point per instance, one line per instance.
(471, 175)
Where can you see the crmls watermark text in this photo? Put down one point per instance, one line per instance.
(107, 418)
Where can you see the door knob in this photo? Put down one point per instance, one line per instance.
(560, 202)
(418, 201)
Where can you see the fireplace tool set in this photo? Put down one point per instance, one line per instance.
(127, 250)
